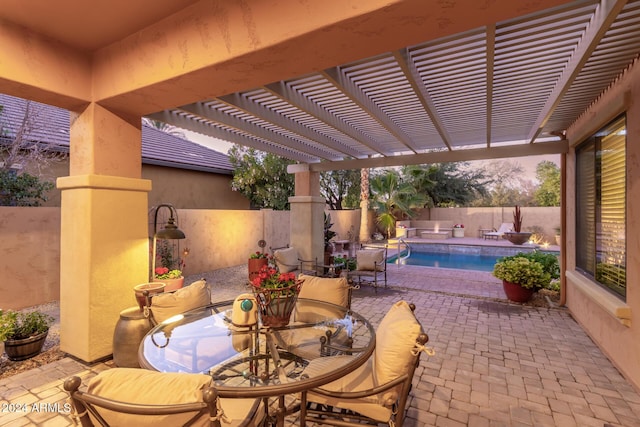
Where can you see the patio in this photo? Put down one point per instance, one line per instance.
(496, 364)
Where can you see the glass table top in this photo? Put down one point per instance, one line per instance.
(259, 360)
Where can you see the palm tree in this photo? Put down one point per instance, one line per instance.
(164, 127)
(364, 205)
(393, 198)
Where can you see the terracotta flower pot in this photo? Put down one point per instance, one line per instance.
(172, 284)
(255, 265)
(516, 292)
(153, 288)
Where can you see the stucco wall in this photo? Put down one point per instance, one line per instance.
(30, 246)
(216, 238)
(29, 256)
(600, 313)
(545, 218)
(187, 189)
(184, 189)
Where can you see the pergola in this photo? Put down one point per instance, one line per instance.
(333, 85)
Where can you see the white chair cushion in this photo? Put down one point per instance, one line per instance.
(168, 304)
(334, 291)
(395, 339)
(140, 386)
(370, 259)
(286, 259)
(360, 379)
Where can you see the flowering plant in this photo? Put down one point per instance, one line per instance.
(271, 278)
(458, 226)
(165, 273)
(259, 255)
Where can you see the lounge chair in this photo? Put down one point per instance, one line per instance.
(505, 227)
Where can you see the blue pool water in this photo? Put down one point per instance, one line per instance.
(446, 260)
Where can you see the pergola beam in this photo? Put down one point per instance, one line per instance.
(501, 152)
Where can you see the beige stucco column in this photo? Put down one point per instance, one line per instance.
(104, 242)
(307, 214)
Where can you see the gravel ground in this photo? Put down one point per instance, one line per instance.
(225, 284)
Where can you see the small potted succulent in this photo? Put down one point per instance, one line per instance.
(23, 333)
(525, 273)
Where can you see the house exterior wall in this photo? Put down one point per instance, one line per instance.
(611, 322)
(187, 189)
(183, 188)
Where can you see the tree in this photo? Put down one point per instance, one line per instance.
(262, 177)
(164, 127)
(341, 188)
(548, 193)
(507, 185)
(363, 234)
(447, 184)
(393, 198)
(20, 153)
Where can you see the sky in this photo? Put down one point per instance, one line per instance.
(528, 163)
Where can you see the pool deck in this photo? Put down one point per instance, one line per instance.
(497, 364)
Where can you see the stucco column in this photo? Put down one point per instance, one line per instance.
(307, 214)
(104, 244)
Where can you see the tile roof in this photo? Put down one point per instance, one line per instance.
(158, 148)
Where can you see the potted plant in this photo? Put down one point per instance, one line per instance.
(23, 333)
(276, 294)
(458, 230)
(524, 274)
(517, 236)
(170, 270)
(328, 235)
(256, 261)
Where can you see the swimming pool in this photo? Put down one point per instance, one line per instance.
(461, 257)
(446, 260)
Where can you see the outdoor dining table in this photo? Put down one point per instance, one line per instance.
(258, 361)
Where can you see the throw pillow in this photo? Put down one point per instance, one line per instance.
(286, 260)
(370, 259)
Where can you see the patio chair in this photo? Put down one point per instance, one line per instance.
(288, 261)
(371, 262)
(313, 342)
(377, 391)
(129, 396)
(505, 227)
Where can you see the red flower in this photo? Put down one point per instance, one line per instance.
(269, 277)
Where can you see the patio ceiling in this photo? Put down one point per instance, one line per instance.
(504, 90)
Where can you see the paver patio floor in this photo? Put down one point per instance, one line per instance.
(496, 363)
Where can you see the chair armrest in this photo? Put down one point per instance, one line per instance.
(364, 393)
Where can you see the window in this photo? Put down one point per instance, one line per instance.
(601, 207)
